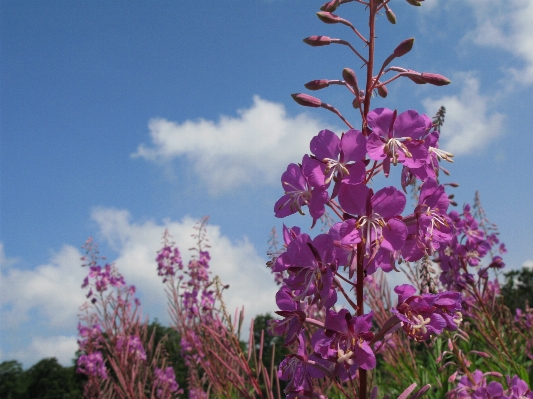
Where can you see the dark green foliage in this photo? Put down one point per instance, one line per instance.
(518, 289)
(47, 379)
(11, 381)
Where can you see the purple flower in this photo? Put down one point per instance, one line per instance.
(379, 222)
(397, 139)
(336, 159)
(430, 226)
(165, 382)
(518, 389)
(298, 193)
(420, 318)
(131, 345)
(92, 364)
(298, 370)
(310, 265)
(345, 236)
(293, 314)
(345, 342)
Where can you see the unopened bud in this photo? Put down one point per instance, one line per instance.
(422, 391)
(356, 103)
(452, 377)
(417, 80)
(306, 100)
(349, 77)
(330, 6)
(493, 374)
(390, 16)
(435, 79)
(453, 184)
(382, 91)
(328, 17)
(317, 84)
(316, 41)
(482, 354)
(414, 3)
(404, 47)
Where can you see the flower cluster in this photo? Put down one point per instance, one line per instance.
(118, 353)
(427, 314)
(92, 365)
(372, 234)
(476, 386)
(131, 346)
(165, 382)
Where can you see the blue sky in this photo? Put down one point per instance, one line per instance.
(119, 119)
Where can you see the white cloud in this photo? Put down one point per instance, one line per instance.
(38, 303)
(63, 348)
(249, 149)
(53, 289)
(506, 24)
(236, 263)
(528, 263)
(469, 125)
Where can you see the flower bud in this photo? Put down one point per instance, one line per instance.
(328, 17)
(435, 79)
(330, 6)
(482, 354)
(417, 80)
(390, 16)
(349, 77)
(453, 184)
(356, 103)
(317, 84)
(414, 3)
(316, 41)
(452, 377)
(404, 47)
(382, 91)
(306, 100)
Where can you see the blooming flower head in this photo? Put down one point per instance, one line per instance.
(427, 314)
(345, 342)
(379, 222)
(299, 193)
(397, 138)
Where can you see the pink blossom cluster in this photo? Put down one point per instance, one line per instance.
(469, 245)
(165, 382)
(131, 346)
(476, 386)
(92, 365)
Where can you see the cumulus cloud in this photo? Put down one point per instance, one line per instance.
(469, 125)
(39, 303)
(61, 347)
(248, 149)
(52, 289)
(506, 24)
(528, 263)
(235, 262)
